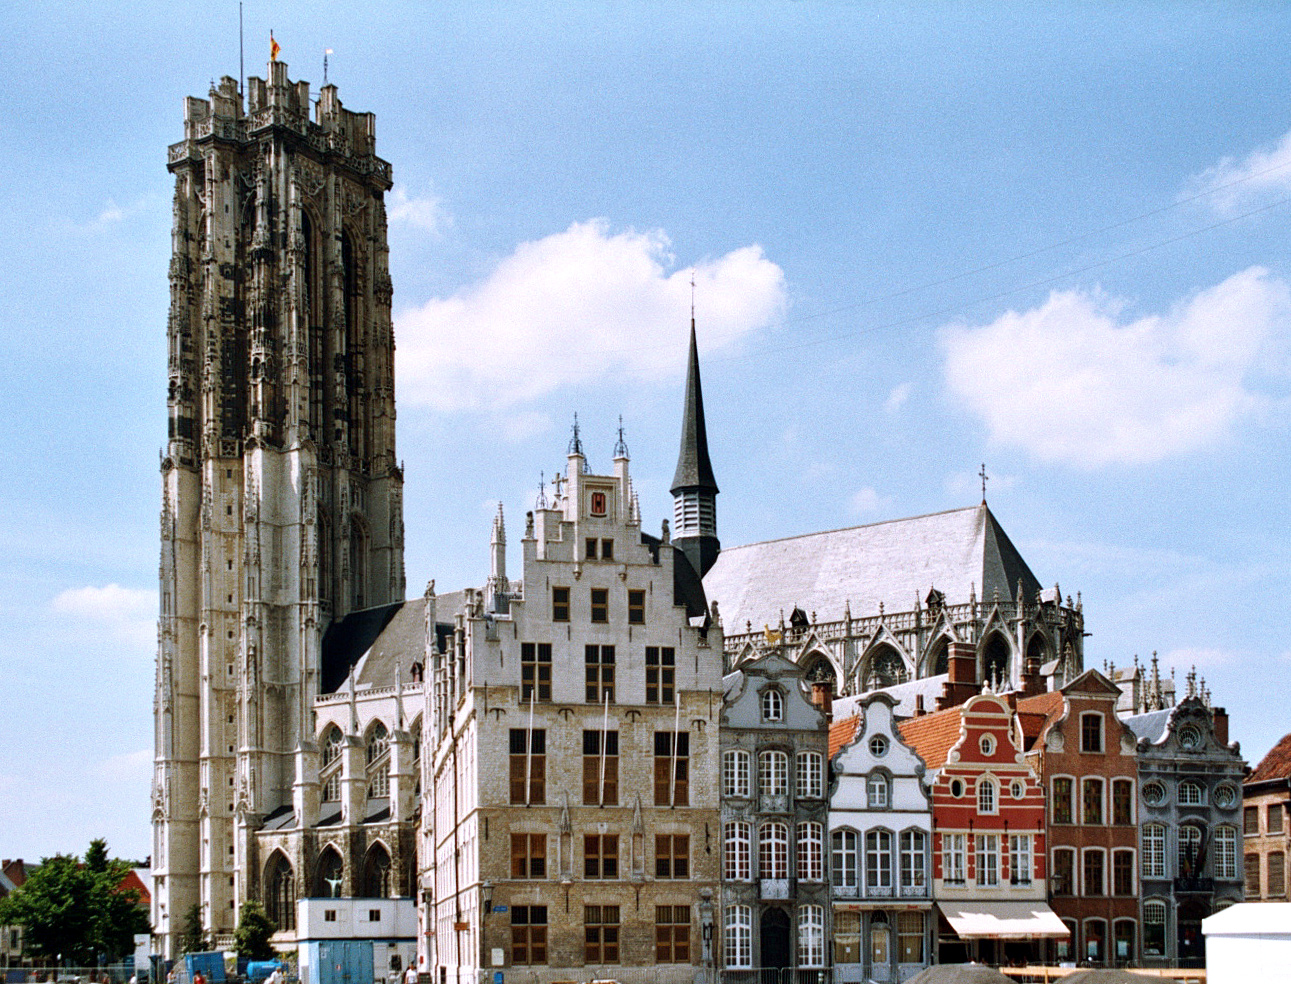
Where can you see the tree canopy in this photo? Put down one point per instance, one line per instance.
(77, 911)
(251, 938)
(192, 937)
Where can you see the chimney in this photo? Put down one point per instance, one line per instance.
(961, 685)
(1032, 681)
(822, 696)
(918, 706)
(1220, 717)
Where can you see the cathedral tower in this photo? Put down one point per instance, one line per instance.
(694, 490)
(281, 493)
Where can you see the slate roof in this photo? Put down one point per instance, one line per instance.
(932, 736)
(386, 636)
(1151, 725)
(893, 563)
(694, 470)
(1275, 765)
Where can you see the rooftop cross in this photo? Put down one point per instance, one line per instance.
(985, 478)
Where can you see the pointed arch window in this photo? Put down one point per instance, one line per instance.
(376, 873)
(330, 877)
(280, 892)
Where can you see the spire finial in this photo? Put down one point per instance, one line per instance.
(575, 442)
(985, 478)
(620, 446)
(692, 297)
(541, 502)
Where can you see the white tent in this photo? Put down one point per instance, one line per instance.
(1248, 942)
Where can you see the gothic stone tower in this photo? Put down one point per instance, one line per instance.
(281, 494)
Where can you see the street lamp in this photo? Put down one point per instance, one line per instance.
(486, 896)
(486, 890)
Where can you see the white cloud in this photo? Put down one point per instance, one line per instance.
(127, 615)
(573, 306)
(866, 502)
(1071, 382)
(1186, 658)
(897, 398)
(112, 212)
(425, 213)
(1234, 184)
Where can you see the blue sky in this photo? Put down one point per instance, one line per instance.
(1050, 238)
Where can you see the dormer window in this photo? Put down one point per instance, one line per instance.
(772, 705)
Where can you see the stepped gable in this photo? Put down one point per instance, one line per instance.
(958, 552)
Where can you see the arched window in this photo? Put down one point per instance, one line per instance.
(331, 745)
(331, 788)
(280, 892)
(995, 660)
(886, 669)
(378, 742)
(376, 873)
(876, 791)
(1095, 941)
(331, 875)
(1091, 800)
(913, 862)
(1036, 651)
(358, 565)
(986, 795)
(773, 851)
(378, 763)
(735, 774)
(772, 705)
(1225, 852)
(738, 936)
(843, 862)
(1190, 793)
(1190, 858)
(773, 774)
(1063, 878)
(1154, 851)
(878, 862)
(737, 862)
(1094, 882)
(1123, 940)
(811, 936)
(938, 659)
(809, 776)
(811, 851)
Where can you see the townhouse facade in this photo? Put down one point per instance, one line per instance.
(1190, 815)
(775, 808)
(990, 853)
(880, 848)
(1086, 759)
(1266, 838)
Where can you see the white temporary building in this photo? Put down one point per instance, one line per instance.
(1248, 942)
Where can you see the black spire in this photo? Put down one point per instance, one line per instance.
(694, 470)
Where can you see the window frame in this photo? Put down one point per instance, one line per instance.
(1091, 805)
(844, 858)
(1093, 868)
(1123, 802)
(534, 764)
(1225, 863)
(600, 857)
(636, 606)
(737, 937)
(661, 674)
(878, 794)
(535, 672)
(809, 775)
(913, 867)
(736, 774)
(954, 859)
(1061, 807)
(773, 772)
(560, 606)
(598, 789)
(524, 926)
(879, 856)
(1021, 859)
(672, 856)
(602, 929)
(737, 848)
(1123, 869)
(672, 934)
(1063, 875)
(1154, 844)
(1092, 739)
(598, 663)
(988, 860)
(987, 793)
(773, 851)
(528, 856)
(771, 702)
(811, 851)
(600, 602)
(811, 936)
(672, 771)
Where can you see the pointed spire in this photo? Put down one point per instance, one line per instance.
(620, 446)
(694, 470)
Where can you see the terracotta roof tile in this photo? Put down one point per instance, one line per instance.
(932, 735)
(842, 732)
(1276, 764)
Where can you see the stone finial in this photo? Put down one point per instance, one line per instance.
(665, 532)
(528, 525)
(430, 588)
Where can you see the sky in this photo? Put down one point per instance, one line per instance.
(1047, 238)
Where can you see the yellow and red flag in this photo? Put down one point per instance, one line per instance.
(274, 48)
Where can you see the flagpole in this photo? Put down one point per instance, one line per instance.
(242, 68)
(676, 730)
(528, 745)
(605, 727)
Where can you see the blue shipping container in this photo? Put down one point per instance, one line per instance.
(337, 962)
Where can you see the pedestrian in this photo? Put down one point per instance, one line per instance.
(198, 978)
(410, 975)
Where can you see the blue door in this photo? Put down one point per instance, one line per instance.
(344, 962)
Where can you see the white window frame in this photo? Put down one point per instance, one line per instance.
(773, 851)
(914, 864)
(1191, 793)
(988, 796)
(954, 864)
(809, 775)
(1103, 886)
(1226, 852)
(988, 860)
(772, 705)
(1154, 850)
(737, 847)
(811, 936)
(773, 773)
(811, 851)
(876, 791)
(878, 859)
(1020, 856)
(844, 860)
(737, 938)
(736, 774)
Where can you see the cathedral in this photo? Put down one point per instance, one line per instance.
(470, 764)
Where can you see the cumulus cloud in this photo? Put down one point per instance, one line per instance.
(867, 502)
(897, 398)
(1073, 382)
(425, 213)
(572, 306)
(1233, 184)
(127, 615)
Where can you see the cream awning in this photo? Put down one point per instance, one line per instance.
(1002, 920)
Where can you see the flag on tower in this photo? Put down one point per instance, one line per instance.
(274, 48)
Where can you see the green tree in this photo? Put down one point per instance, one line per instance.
(77, 911)
(192, 937)
(251, 938)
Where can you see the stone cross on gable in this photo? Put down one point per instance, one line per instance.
(985, 478)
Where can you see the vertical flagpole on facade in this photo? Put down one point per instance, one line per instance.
(528, 744)
(676, 733)
(605, 737)
(242, 68)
